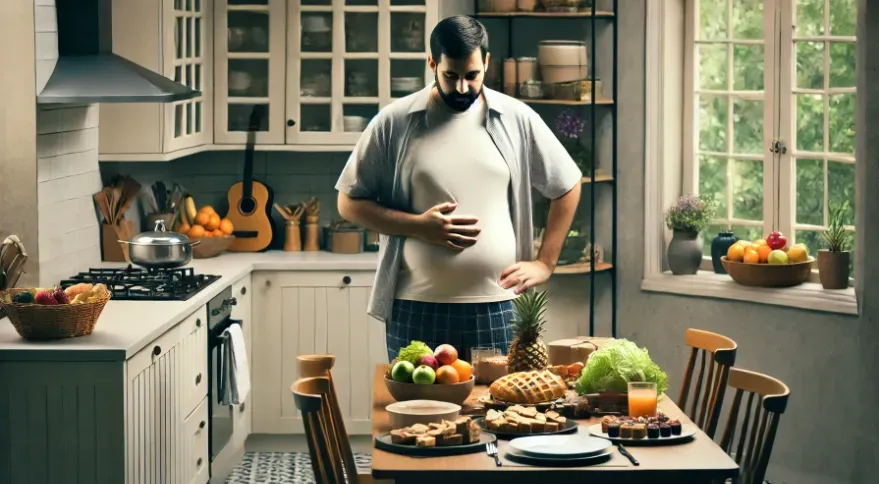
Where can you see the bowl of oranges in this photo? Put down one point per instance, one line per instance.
(768, 262)
(215, 233)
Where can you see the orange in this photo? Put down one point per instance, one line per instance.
(208, 233)
(446, 375)
(183, 228)
(219, 233)
(203, 218)
(759, 242)
(226, 226)
(213, 223)
(195, 232)
(751, 257)
(735, 253)
(465, 371)
(207, 208)
(763, 251)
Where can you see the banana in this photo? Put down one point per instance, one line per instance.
(184, 220)
(191, 211)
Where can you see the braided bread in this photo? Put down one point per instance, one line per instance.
(528, 387)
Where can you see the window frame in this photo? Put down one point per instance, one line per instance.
(668, 57)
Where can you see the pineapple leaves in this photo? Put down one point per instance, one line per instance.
(530, 312)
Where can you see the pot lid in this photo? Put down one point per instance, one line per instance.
(160, 236)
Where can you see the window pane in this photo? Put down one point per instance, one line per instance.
(239, 117)
(812, 239)
(810, 65)
(248, 77)
(747, 126)
(842, 64)
(748, 67)
(748, 189)
(361, 32)
(810, 17)
(748, 232)
(747, 19)
(810, 192)
(712, 123)
(712, 66)
(712, 19)
(841, 181)
(842, 17)
(712, 181)
(810, 122)
(408, 29)
(842, 123)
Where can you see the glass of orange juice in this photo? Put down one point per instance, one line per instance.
(642, 399)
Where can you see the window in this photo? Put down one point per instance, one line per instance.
(769, 114)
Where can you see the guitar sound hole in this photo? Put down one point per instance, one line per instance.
(247, 206)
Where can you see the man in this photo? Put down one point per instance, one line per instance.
(445, 175)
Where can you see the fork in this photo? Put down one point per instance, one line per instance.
(491, 450)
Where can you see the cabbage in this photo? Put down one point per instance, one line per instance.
(414, 352)
(612, 366)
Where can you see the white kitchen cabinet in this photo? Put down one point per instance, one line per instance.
(307, 312)
(172, 37)
(243, 293)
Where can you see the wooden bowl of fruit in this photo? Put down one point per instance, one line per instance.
(438, 375)
(212, 246)
(768, 274)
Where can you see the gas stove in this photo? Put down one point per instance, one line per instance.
(138, 284)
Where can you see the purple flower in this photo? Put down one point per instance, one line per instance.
(691, 213)
(569, 125)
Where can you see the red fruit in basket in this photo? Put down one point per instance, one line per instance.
(430, 361)
(61, 296)
(776, 240)
(445, 354)
(45, 298)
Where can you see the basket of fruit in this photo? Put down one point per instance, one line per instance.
(54, 313)
(212, 246)
(419, 373)
(768, 262)
(205, 224)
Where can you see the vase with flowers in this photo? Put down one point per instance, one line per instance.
(687, 218)
(569, 127)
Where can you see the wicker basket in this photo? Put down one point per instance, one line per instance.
(212, 247)
(39, 322)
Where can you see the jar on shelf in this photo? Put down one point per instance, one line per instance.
(526, 69)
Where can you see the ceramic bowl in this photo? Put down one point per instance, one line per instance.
(768, 275)
(411, 412)
(455, 393)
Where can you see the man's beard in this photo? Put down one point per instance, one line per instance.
(457, 101)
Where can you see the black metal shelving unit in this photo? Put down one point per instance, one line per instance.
(595, 17)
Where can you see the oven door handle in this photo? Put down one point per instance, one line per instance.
(222, 365)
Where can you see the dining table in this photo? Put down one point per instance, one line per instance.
(697, 460)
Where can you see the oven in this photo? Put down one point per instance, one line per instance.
(219, 318)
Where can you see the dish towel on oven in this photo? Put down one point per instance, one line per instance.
(235, 371)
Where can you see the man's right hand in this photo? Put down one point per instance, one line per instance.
(453, 231)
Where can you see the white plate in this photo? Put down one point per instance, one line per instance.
(687, 431)
(560, 446)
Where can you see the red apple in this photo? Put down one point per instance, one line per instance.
(430, 361)
(445, 354)
(776, 241)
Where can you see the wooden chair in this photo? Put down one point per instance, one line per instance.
(705, 408)
(311, 366)
(311, 397)
(754, 444)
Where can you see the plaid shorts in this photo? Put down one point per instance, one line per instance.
(462, 325)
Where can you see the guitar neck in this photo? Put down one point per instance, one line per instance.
(256, 116)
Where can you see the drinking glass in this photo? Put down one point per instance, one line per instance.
(642, 399)
(479, 354)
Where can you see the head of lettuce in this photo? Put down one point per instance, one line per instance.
(615, 364)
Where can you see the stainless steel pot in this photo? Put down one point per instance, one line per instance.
(159, 248)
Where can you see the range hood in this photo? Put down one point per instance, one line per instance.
(87, 70)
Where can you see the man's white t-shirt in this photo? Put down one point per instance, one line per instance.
(457, 161)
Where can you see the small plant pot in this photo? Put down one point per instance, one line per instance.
(684, 253)
(833, 269)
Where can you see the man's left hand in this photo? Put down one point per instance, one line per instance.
(525, 275)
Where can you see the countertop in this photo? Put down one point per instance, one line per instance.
(125, 327)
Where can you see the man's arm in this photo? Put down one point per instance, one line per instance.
(558, 224)
(378, 218)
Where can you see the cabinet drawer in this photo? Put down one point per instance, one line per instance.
(194, 459)
(193, 381)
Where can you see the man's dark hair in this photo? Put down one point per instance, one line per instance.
(457, 37)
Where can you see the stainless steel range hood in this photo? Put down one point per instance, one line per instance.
(87, 71)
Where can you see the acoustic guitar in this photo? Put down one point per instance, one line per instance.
(250, 201)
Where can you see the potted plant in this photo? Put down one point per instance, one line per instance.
(833, 262)
(687, 218)
(569, 126)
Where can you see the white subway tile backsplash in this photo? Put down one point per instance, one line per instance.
(62, 166)
(45, 19)
(63, 120)
(46, 45)
(45, 68)
(64, 190)
(55, 144)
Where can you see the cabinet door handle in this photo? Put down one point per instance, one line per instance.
(291, 123)
(201, 424)
(243, 291)
(157, 350)
(346, 280)
(198, 379)
(198, 462)
(241, 407)
(198, 323)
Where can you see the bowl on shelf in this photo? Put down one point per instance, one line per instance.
(769, 275)
(212, 246)
(411, 412)
(455, 393)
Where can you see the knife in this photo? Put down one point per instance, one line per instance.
(626, 453)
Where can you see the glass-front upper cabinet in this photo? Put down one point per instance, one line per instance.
(186, 64)
(344, 64)
(249, 70)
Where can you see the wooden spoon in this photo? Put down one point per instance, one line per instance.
(103, 205)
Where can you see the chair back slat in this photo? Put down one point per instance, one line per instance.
(321, 366)
(720, 353)
(759, 422)
(311, 396)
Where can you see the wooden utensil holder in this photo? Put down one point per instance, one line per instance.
(312, 234)
(293, 237)
(111, 249)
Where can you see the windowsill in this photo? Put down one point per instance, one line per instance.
(809, 296)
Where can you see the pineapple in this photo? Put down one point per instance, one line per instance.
(527, 351)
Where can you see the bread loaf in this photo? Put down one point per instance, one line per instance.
(528, 387)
